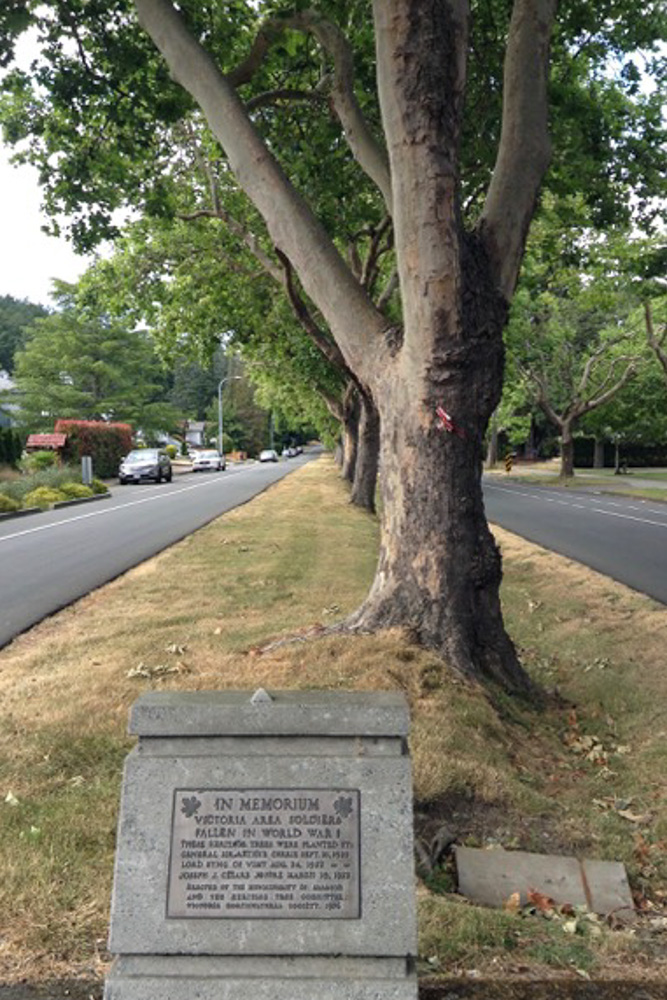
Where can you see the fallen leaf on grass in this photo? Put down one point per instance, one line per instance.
(157, 671)
(513, 903)
(11, 799)
(540, 901)
(176, 649)
(634, 817)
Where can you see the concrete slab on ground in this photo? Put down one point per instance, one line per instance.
(491, 876)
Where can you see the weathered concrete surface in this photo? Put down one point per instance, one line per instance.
(492, 876)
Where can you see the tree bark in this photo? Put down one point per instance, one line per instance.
(439, 568)
(351, 417)
(598, 454)
(566, 452)
(368, 455)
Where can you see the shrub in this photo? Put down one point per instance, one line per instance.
(11, 446)
(76, 491)
(43, 496)
(105, 443)
(37, 460)
(171, 450)
(7, 505)
(99, 487)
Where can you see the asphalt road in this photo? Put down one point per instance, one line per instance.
(50, 559)
(624, 538)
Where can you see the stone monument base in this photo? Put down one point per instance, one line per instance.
(207, 977)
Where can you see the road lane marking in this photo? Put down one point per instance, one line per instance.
(580, 506)
(109, 510)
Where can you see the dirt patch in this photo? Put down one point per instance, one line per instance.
(550, 989)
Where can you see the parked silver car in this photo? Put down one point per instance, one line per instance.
(143, 464)
(208, 460)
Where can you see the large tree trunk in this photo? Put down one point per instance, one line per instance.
(566, 452)
(439, 569)
(368, 455)
(351, 417)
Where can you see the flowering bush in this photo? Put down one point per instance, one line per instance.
(43, 496)
(76, 491)
(105, 443)
(7, 505)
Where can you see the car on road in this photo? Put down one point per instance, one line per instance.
(203, 461)
(143, 464)
(268, 455)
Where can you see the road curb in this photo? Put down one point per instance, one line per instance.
(56, 506)
(78, 500)
(20, 513)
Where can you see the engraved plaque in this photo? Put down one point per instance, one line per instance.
(258, 852)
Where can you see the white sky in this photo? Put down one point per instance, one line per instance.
(29, 259)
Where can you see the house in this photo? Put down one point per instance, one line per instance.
(194, 433)
(46, 442)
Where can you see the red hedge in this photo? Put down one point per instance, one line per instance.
(105, 443)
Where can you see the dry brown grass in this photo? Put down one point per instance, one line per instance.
(198, 617)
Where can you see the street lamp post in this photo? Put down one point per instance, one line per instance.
(222, 381)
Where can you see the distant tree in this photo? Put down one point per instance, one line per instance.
(15, 316)
(637, 415)
(656, 333)
(572, 338)
(78, 364)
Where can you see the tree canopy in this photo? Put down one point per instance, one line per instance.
(77, 364)
(15, 316)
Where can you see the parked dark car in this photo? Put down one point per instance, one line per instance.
(143, 464)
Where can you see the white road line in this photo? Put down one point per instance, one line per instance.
(580, 506)
(629, 517)
(107, 510)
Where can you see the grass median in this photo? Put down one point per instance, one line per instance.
(587, 774)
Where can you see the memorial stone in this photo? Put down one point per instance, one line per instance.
(265, 849)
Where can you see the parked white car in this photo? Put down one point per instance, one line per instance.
(204, 461)
(268, 455)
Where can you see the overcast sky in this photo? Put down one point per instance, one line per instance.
(29, 259)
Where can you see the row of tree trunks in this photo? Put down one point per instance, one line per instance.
(358, 450)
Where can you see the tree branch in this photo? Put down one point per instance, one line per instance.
(604, 397)
(655, 342)
(352, 318)
(326, 346)
(271, 97)
(367, 151)
(524, 150)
